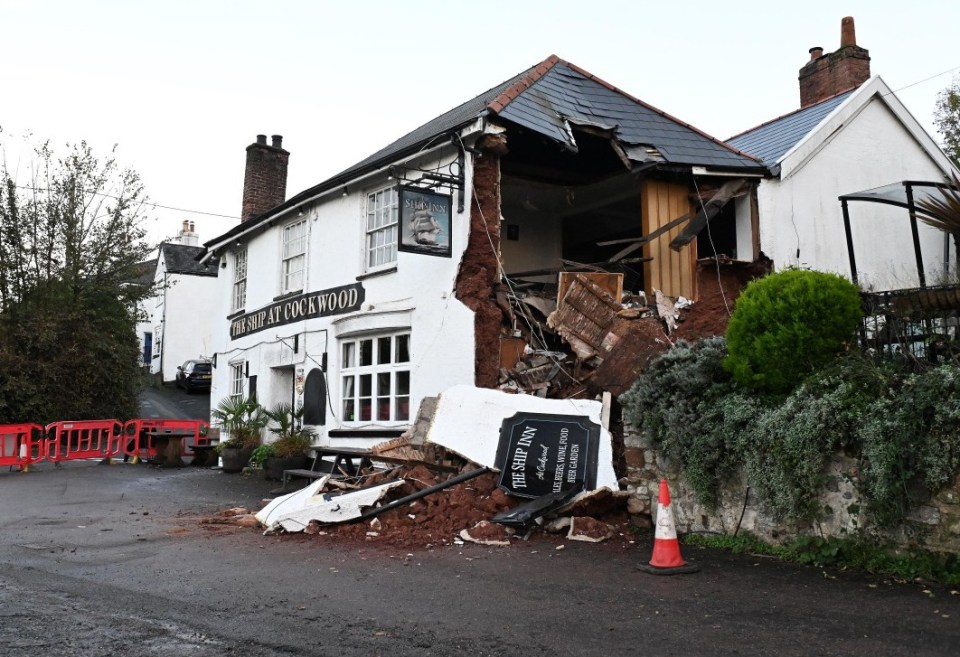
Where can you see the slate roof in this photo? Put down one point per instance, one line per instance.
(541, 98)
(146, 271)
(566, 93)
(180, 259)
(771, 140)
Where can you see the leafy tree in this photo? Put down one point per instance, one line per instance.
(787, 324)
(70, 241)
(946, 115)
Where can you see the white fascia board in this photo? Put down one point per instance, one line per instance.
(295, 511)
(475, 127)
(707, 171)
(875, 88)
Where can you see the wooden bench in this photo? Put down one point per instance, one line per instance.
(347, 462)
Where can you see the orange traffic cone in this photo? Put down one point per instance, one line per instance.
(666, 559)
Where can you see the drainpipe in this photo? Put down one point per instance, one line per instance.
(163, 325)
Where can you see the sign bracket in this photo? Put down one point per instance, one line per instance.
(453, 179)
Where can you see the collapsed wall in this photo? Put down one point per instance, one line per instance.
(479, 273)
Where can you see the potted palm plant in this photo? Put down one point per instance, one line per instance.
(243, 421)
(292, 442)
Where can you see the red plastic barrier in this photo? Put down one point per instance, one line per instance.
(83, 439)
(144, 435)
(21, 445)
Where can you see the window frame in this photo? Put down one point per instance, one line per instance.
(375, 227)
(239, 300)
(364, 375)
(237, 375)
(287, 259)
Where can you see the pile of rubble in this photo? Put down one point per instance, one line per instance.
(452, 479)
(460, 475)
(586, 334)
(474, 511)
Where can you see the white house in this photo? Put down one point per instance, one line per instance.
(181, 315)
(401, 276)
(144, 312)
(851, 134)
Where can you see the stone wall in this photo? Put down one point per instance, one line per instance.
(934, 525)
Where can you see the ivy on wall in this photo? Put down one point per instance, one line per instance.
(902, 426)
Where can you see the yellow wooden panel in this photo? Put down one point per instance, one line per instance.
(672, 272)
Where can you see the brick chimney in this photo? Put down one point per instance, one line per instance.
(828, 75)
(265, 177)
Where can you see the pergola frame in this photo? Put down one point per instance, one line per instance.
(901, 195)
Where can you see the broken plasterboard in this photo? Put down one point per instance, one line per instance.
(294, 512)
(468, 421)
(667, 311)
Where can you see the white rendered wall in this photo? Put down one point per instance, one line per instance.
(802, 213)
(155, 306)
(187, 322)
(419, 295)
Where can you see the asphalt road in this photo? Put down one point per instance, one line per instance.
(172, 402)
(112, 560)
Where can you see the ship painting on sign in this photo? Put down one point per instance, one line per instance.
(424, 228)
(425, 218)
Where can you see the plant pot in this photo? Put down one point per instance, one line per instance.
(274, 466)
(235, 459)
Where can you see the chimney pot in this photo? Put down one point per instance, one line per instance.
(848, 32)
(277, 141)
(262, 140)
(193, 228)
(826, 75)
(186, 226)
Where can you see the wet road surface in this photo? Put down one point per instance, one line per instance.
(112, 560)
(172, 402)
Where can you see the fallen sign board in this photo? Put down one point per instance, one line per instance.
(541, 453)
(468, 422)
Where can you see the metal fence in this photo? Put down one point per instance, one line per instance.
(918, 325)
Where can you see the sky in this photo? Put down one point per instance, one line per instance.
(181, 88)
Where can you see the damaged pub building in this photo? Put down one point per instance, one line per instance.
(529, 239)
(550, 237)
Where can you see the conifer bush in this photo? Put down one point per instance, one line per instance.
(787, 324)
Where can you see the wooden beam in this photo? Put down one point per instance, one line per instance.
(709, 210)
(647, 238)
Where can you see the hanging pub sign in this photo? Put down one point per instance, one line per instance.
(424, 222)
(333, 301)
(541, 454)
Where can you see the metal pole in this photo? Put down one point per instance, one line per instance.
(423, 493)
(916, 235)
(946, 256)
(846, 230)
